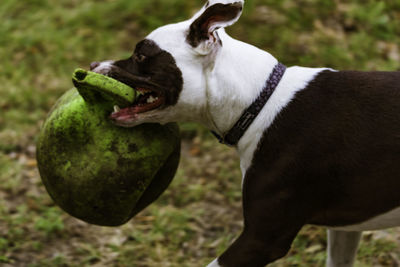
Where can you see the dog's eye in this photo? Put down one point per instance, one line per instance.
(140, 58)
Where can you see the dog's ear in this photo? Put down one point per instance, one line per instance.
(214, 15)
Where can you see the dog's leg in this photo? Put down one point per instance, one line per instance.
(252, 249)
(342, 248)
(271, 222)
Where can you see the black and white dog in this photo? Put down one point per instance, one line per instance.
(324, 149)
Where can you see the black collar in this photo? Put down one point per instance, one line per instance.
(232, 137)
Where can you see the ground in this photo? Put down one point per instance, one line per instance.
(42, 41)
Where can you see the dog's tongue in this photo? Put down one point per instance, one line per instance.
(94, 87)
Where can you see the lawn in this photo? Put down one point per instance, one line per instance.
(43, 41)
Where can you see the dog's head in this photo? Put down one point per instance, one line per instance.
(168, 67)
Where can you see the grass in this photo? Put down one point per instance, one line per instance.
(43, 41)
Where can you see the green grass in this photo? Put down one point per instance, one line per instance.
(43, 41)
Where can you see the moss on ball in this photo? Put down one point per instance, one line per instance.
(98, 172)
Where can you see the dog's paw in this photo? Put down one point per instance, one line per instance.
(214, 263)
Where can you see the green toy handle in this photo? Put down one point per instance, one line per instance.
(94, 87)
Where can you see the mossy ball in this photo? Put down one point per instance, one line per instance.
(98, 172)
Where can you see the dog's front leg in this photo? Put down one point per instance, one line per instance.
(251, 250)
(272, 219)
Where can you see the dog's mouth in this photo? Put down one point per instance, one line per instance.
(147, 100)
(151, 95)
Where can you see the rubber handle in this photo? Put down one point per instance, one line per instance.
(94, 87)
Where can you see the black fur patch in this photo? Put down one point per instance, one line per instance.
(150, 62)
(331, 157)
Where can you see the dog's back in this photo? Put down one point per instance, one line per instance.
(336, 143)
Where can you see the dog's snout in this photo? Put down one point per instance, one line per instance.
(94, 65)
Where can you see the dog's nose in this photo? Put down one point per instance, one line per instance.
(94, 65)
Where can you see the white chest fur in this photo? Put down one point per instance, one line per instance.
(295, 79)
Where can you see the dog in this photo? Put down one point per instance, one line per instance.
(316, 145)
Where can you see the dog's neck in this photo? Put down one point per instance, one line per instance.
(234, 82)
(216, 93)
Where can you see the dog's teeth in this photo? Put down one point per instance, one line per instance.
(151, 99)
(116, 108)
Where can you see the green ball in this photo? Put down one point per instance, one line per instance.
(101, 173)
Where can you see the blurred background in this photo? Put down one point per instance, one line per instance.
(43, 41)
